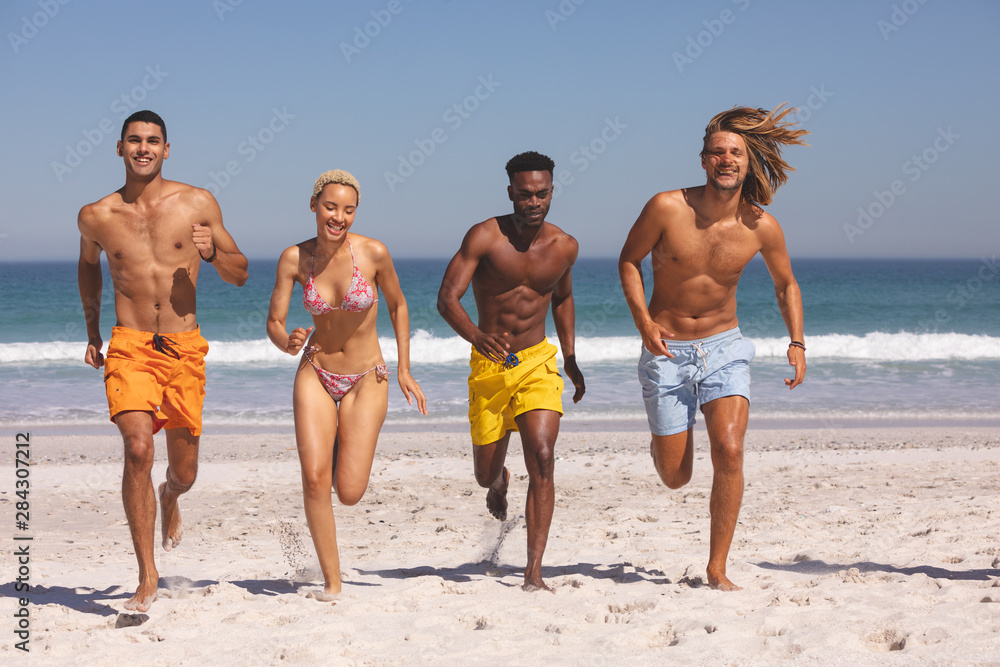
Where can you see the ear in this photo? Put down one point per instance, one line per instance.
(510, 192)
(166, 151)
(313, 201)
(119, 149)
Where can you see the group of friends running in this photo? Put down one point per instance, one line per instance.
(156, 233)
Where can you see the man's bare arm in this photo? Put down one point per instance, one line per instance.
(642, 240)
(456, 281)
(210, 236)
(90, 282)
(779, 265)
(564, 317)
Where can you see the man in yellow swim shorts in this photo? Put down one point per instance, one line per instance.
(155, 234)
(517, 264)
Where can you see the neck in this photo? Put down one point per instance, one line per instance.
(327, 247)
(136, 189)
(520, 231)
(720, 204)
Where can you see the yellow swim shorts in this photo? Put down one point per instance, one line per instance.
(498, 394)
(159, 373)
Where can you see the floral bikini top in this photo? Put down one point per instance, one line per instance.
(360, 295)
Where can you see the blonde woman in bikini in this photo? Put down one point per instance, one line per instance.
(341, 387)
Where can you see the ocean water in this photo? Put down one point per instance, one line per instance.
(893, 340)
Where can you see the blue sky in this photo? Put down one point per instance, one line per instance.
(425, 100)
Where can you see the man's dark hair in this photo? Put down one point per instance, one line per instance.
(529, 161)
(145, 116)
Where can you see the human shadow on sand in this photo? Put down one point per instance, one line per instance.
(83, 599)
(822, 567)
(623, 573)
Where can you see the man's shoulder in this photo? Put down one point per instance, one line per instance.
(100, 210)
(560, 238)
(189, 194)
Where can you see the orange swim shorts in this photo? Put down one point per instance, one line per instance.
(159, 373)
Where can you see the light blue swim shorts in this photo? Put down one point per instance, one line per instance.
(700, 371)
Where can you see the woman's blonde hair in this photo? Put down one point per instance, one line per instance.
(336, 176)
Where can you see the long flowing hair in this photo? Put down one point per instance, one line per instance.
(765, 133)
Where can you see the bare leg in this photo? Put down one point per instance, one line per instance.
(673, 457)
(315, 430)
(136, 428)
(182, 469)
(488, 464)
(726, 419)
(539, 430)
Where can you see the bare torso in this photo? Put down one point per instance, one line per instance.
(697, 266)
(344, 341)
(151, 256)
(515, 279)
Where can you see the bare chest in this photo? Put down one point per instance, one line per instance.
(147, 237)
(720, 251)
(534, 271)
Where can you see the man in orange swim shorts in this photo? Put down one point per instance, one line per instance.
(155, 234)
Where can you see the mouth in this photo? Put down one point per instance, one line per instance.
(144, 160)
(335, 228)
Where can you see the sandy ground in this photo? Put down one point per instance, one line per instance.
(855, 546)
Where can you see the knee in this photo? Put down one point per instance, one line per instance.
(350, 494)
(138, 453)
(181, 481)
(674, 476)
(485, 477)
(316, 483)
(727, 455)
(544, 461)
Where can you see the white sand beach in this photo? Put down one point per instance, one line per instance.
(854, 546)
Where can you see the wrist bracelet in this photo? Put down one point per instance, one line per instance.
(796, 343)
(211, 258)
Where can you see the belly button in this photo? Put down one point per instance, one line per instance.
(156, 306)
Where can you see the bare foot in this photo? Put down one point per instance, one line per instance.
(321, 594)
(722, 583)
(170, 521)
(539, 585)
(143, 599)
(496, 497)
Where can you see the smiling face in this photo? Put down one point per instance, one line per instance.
(725, 161)
(531, 193)
(334, 208)
(143, 150)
